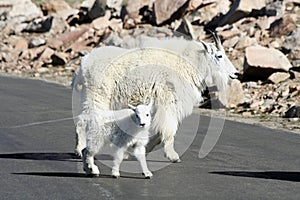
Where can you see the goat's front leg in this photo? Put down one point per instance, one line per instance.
(118, 158)
(170, 152)
(88, 163)
(139, 153)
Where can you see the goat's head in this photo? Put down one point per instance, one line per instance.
(142, 114)
(221, 67)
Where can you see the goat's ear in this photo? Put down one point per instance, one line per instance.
(206, 47)
(217, 40)
(131, 107)
(151, 102)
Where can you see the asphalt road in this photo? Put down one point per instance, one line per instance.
(37, 161)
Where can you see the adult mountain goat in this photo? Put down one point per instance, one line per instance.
(173, 71)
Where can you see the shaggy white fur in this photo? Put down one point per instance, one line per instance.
(126, 129)
(172, 71)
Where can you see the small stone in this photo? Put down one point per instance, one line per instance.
(251, 84)
(36, 42)
(40, 25)
(21, 8)
(42, 70)
(59, 58)
(256, 104)
(247, 114)
(102, 23)
(279, 77)
(46, 55)
(285, 92)
(37, 64)
(267, 105)
(21, 44)
(245, 42)
(293, 112)
(295, 74)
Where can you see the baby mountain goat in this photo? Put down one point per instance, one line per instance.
(126, 129)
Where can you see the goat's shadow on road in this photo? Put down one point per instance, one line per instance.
(42, 156)
(71, 157)
(274, 175)
(74, 175)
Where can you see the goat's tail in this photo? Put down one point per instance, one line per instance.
(77, 81)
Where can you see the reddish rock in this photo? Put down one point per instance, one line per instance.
(282, 26)
(230, 43)
(81, 45)
(133, 8)
(261, 62)
(245, 41)
(102, 23)
(54, 6)
(235, 94)
(46, 55)
(239, 9)
(194, 4)
(225, 35)
(66, 38)
(264, 23)
(213, 9)
(166, 9)
(21, 44)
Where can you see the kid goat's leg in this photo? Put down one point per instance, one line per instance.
(118, 158)
(139, 153)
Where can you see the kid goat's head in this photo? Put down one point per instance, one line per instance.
(142, 113)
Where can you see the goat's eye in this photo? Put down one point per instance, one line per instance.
(219, 56)
(147, 115)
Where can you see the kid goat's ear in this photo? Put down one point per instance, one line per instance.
(131, 107)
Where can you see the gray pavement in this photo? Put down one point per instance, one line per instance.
(37, 160)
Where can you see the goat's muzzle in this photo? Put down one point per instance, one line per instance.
(235, 76)
(142, 125)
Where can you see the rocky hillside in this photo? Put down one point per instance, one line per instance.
(261, 37)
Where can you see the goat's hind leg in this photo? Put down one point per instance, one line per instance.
(80, 137)
(118, 158)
